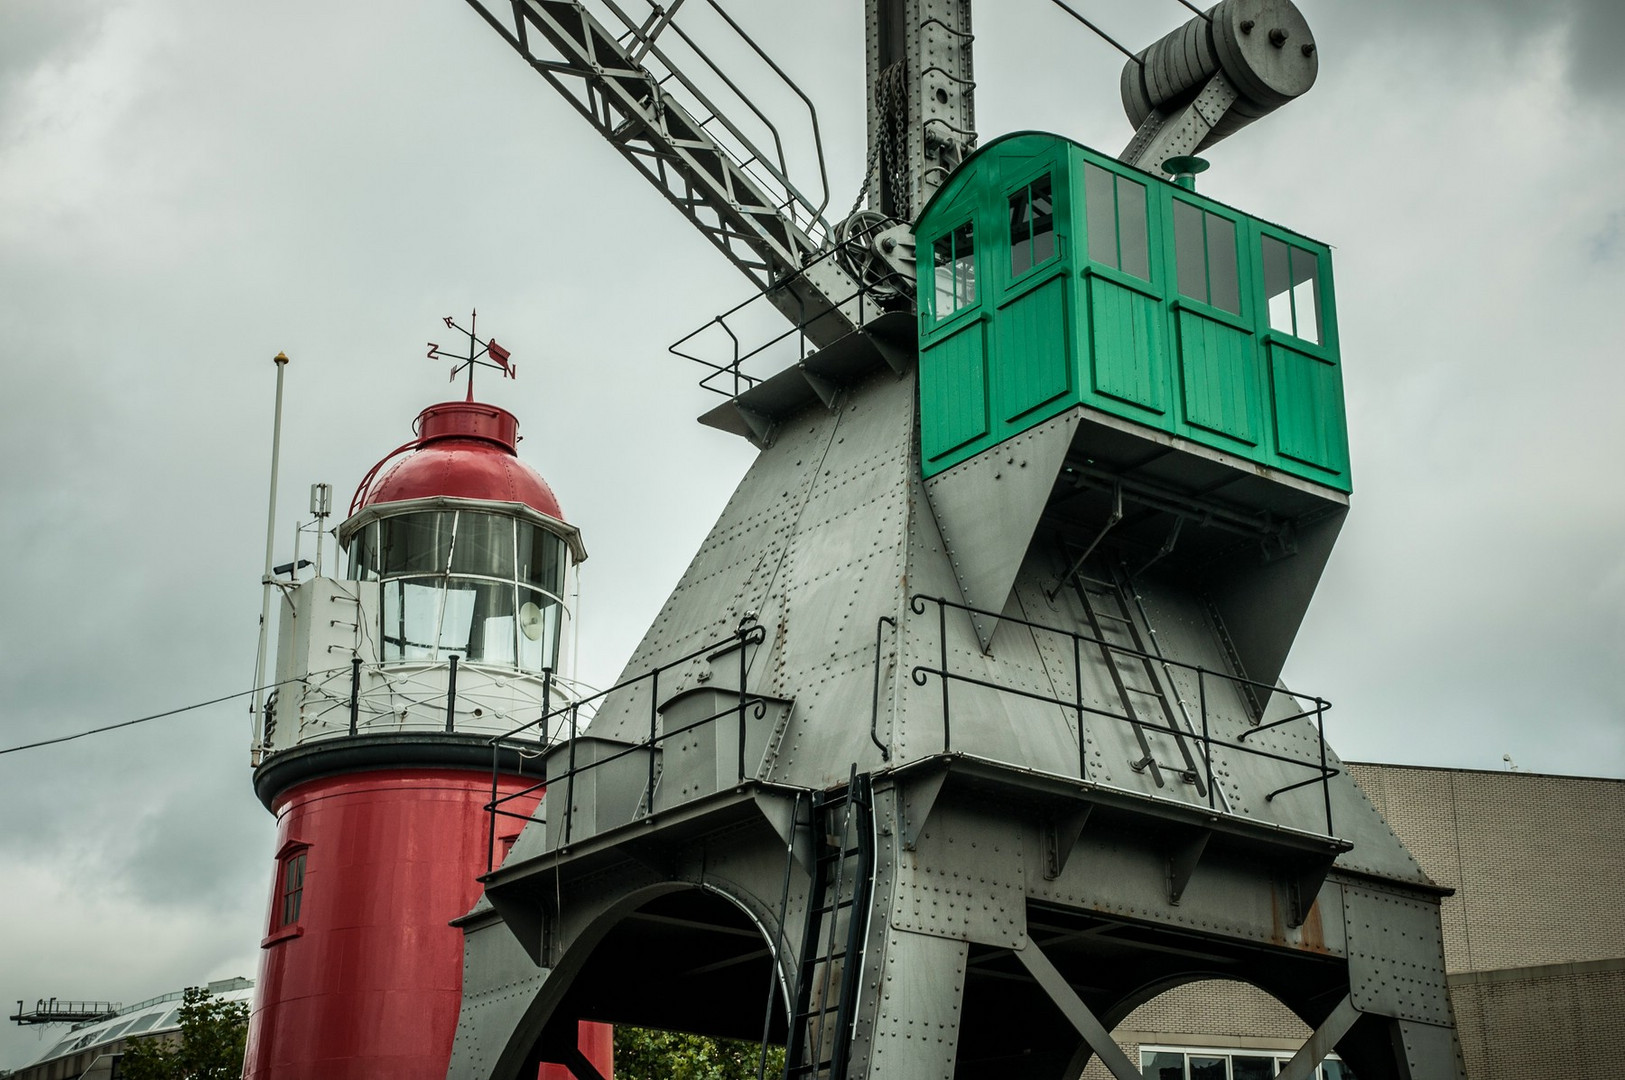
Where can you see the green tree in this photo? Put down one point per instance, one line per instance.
(646, 1054)
(210, 1046)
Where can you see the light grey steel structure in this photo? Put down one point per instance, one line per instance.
(942, 778)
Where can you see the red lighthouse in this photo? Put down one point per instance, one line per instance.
(376, 753)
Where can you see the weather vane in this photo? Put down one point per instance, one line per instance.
(499, 357)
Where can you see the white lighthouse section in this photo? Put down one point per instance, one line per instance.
(451, 619)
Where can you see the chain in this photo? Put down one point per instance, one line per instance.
(890, 142)
(895, 124)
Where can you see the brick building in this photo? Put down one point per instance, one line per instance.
(1534, 936)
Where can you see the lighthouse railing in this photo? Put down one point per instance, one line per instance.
(743, 706)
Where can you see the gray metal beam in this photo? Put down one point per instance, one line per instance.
(922, 115)
(1077, 1013)
(1322, 1042)
(744, 205)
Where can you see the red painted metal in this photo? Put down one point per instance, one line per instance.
(466, 450)
(368, 981)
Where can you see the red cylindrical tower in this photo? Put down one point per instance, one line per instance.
(376, 753)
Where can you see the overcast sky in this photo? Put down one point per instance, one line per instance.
(187, 187)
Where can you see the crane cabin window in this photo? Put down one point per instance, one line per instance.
(1032, 226)
(1118, 236)
(953, 260)
(1292, 289)
(1206, 256)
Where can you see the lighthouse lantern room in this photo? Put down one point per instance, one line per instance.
(384, 741)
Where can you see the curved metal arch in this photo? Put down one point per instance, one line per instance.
(522, 1043)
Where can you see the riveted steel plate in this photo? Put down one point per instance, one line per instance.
(1396, 955)
(964, 880)
(917, 1015)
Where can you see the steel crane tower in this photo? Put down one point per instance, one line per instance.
(963, 733)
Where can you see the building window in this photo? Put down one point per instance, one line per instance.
(1205, 252)
(1292, 289)
(1118, 236)
(290, 890)
(954, 262)
(1032, 226)
(1178, 1063)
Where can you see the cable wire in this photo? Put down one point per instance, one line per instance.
(1197, 10)
(1113, 42)
(140, 720)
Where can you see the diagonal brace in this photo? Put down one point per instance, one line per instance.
(1335, 1026)
(1089, 1026)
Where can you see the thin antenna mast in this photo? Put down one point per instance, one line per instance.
(257, 708)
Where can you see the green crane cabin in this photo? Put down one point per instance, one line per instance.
(1053, 277)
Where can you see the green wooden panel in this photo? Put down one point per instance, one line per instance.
(953, 391)
(1218, 374)
(1308, 399)
(1031, 345)
(1127, 357)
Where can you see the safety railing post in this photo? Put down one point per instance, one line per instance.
(743, 633)
(547, 703)
(654, 731)
(491, 812)
(1077, 694)
(1325, 787)
(942, 659)
(1207, 740)
(570, 779)
(355, 694)
(451, 696)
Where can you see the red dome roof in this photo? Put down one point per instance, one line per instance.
(464, 450)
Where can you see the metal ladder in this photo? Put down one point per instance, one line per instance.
(1144, 694)
(826, 991)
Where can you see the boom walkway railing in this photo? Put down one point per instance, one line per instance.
(921, 675)
(745, 705)
(868, 305)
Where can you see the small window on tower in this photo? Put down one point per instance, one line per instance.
(1032, 226)
(1205, 251)
(954, 262)
(290, 890)
(1116, 216)
(1292, 289)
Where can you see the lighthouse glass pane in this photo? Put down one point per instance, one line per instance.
(484, 545)
(411, 619)
(415, 543)
(364, 554)
(539, 617)
(541, 559)
(479, 622)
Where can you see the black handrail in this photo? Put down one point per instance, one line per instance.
(748, 705)
(734, 366)
(921, 673)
